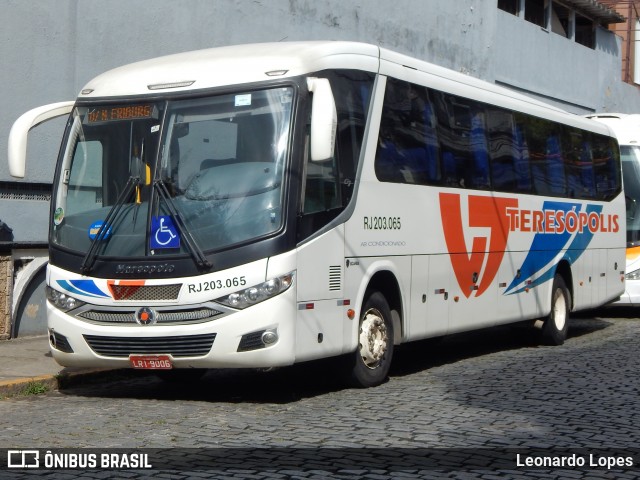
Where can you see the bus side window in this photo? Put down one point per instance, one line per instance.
(431, 143)
(449, 169)
(421, 145)
(352, 90)
(544, 156)
(454, 124)
(554, 166)
(579, 164)
(503, 149)
(479, 149)
(389, 162)
(586, 171)
(607, 177)
(463, 135)
(522, 165)
(86, 170)
(329, 185)
(402, 155)
(321, 191)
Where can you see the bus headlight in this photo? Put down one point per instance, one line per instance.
(258, 293)
(61, 300)
(635, 275)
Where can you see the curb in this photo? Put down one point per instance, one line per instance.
(19, 386)
(12, 388)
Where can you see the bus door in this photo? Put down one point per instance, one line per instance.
(320, 260)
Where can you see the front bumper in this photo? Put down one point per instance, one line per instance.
(234, 339)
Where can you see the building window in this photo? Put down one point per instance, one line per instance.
(510, 6)
(535, 12)
(561, 20)
(585, 31)
(555, 16)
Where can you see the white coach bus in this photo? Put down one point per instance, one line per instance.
(262, 205)
(627, 130)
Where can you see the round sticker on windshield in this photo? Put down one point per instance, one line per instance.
(58, 216)
(95, 228)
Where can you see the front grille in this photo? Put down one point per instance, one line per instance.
(108, 317)
(145, 292)
(193, 315)
(180, 346)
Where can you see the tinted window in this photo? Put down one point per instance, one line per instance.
(435, 138)
(329, 185)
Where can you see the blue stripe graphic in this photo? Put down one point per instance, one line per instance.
(546, 246)
(87, 288)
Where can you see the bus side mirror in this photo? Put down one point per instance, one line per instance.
(324, 119)
(17, 149)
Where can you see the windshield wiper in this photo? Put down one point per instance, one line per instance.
(196, 252)
(90, 257)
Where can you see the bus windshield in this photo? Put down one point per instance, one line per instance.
(630, 156)
(209, 170)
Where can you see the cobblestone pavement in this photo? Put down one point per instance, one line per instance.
(465, 407)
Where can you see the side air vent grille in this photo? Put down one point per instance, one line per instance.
(181, 346)
(335, 278)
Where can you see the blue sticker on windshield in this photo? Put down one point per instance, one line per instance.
(164, 233)
(95, 228)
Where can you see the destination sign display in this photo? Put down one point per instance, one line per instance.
(117, 113)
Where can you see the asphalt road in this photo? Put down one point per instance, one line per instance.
(488, 404)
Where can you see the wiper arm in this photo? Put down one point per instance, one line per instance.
(196, 252)
(90, 257)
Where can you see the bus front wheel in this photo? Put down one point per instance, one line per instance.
(556, 325)
(372, 359)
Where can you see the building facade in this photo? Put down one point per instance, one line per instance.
(567, 53)
(628, 31)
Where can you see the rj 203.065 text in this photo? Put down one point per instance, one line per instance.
(382, 223)
(217, 284)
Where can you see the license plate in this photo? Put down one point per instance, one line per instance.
(151, 362)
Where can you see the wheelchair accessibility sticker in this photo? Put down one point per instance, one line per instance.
(164, 233)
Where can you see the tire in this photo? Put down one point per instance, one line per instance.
(556, 325)
(369, 364)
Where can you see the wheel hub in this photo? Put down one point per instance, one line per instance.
(559, 311)
(373, 338)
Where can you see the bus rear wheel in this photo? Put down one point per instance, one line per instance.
(556, 325)
(371, 361)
